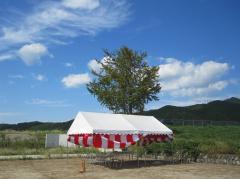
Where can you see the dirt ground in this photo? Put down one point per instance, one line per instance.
(69, 168)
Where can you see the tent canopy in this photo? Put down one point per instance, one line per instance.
(104, 123)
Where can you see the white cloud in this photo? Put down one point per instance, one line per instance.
(189, 79)
(95, 66)
(75, 80)
(40, 77)
(193, 91)
(47, 103)
(7, 56)
(81, 4)
(56, 22)
(32, 53)
(12, 35)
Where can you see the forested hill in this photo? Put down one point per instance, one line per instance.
(226, 110)
(35, 125)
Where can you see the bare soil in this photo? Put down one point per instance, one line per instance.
(70, 168)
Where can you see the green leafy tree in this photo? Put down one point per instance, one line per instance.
(125, 82)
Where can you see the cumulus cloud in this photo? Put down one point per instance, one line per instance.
(75, 80)
(193, 91)
(189, 79)
(56, 22)
(32, 53)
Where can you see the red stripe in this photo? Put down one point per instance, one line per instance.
(117, 138)
(155, 138)
(122, 145)
(85, 139)
(106, 136)
(110, 144)
(97, 141)
(133, 143)
(76, 139)
(163, 137)
(129, 138)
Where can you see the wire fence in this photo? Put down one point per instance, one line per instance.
(186, 122)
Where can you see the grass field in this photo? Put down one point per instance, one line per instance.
(213, 139)
(187, 140)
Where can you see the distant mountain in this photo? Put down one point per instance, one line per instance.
(226, 110)
(35, 125)
(233, 100)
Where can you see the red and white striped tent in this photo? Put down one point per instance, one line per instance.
(103, 130)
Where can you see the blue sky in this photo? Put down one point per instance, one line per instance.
(47, 49)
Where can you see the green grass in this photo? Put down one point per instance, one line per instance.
(211, 140)
(188, 140)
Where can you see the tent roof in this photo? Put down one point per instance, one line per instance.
(104, 123)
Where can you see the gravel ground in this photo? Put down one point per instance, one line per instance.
(69, 168)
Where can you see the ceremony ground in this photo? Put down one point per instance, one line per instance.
(70, 168)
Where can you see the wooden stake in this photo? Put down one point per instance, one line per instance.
(82, 166)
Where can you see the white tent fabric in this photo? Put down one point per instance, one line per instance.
(104, 123)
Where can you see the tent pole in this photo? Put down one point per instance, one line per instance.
(145, 159)
(113, 157)
(138, 153)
